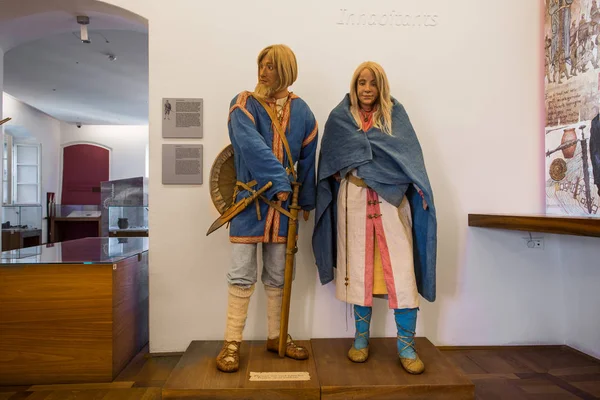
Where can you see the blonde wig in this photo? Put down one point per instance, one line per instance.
(383, 114)
(285, 63)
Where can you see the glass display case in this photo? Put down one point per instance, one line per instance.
(27, 252)
(93, 250)
(21, 226)
(22, 217)
(127, 221)
(75, 211)
(72, 221)
(125, 207)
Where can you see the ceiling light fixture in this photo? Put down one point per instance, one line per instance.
(84, 21)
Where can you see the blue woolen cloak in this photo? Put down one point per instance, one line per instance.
(390, 165)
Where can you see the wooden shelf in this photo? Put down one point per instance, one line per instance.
(578, 226)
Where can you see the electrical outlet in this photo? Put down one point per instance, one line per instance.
(534, 243)
(538, 243)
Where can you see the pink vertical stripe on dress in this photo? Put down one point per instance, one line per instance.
(369, 253)
(383, 249)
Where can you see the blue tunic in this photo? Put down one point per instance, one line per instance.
(260, 156)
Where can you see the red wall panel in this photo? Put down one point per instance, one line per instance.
(84, 167)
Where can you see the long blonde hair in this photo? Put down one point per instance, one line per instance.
(383, 115)
(285, 62)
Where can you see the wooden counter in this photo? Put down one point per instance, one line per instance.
(72, 321)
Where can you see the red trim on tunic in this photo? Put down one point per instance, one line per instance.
(256, 239)
(276, 222)
(383, 249)
(240, 103)
(285, 120)
(369, 253)
(268, 222)
(312, 136)
(271, 231)
(244, 110)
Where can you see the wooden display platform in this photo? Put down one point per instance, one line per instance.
(332, 375)
(196, 375)
(382, 377)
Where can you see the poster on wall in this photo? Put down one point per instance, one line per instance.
(572, 95)
(182, 118)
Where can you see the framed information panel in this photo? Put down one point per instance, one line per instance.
(182, 118)
(182, 164)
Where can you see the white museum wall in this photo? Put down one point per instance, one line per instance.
(34, 126)
(127, 143)
(580, 274)
(472, 86)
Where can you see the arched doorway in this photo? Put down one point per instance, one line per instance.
(84, 167)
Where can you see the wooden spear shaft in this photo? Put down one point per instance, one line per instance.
(290, 254)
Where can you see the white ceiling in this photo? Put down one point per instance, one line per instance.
(26, 21)
(47, 66)
(76, 82)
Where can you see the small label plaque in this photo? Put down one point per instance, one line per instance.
(279, 376)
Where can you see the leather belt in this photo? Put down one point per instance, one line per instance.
(355, 180)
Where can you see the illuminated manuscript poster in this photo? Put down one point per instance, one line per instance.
(572, 134)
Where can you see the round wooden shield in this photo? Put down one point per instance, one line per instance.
(223, 180)
(558, 169)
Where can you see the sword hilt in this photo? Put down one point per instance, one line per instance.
(257, 193)
(236, 208)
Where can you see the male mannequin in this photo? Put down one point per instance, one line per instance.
(261, 157)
